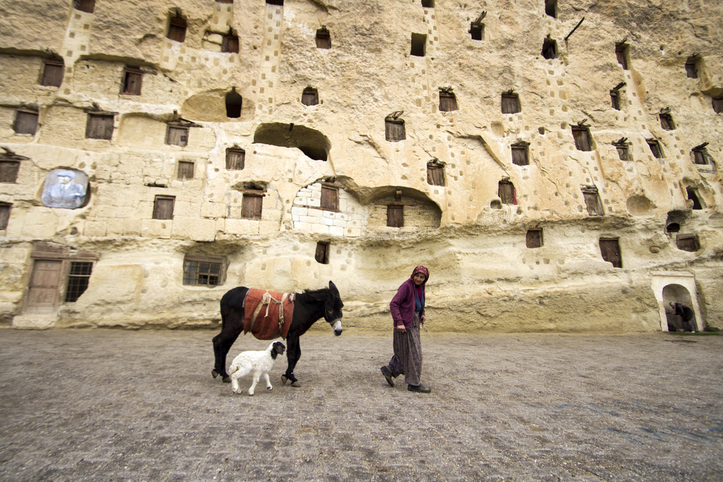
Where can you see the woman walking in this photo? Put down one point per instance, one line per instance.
(407, 309)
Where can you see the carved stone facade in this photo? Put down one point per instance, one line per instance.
(545, 159)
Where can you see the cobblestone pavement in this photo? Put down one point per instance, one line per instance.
(124, 405)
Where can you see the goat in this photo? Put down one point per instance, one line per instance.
(260, 362)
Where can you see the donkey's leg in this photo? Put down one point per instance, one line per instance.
(222, 344)
(293, 353)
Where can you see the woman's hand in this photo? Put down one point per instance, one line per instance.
(401, 328)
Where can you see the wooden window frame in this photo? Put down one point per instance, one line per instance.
(186, 170)
(510, 103)
(623, 152)
(395, 215)
(329, 198)
(177, 28)
(655, 148)
(98, 127)
(279, 3)
(593, 203)
(520, 154)
(9, 170)
(507, 193)
(132, 81)
(701, 156)
(183, 133)
(685, 241)
(583, 138)
(604, 244)
(477, 31)
(87, 6)
(196, 274)
(252, 205)
(53, 73)
(26, 122)
(5, 210)
(435, 174)
(230, 43)
(160, 209)
(235, 159)
(533, 238)
(323, 38)
(666, 121)
(322, 252)
(310, 96)
(395, 130)
(692, 69)
(427, 3)
(447, 101)
(419, 45)
(615, 99)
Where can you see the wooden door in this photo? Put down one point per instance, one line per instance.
(44, 289)
(610, 251)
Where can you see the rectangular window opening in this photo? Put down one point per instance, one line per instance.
(621, 53)
(394, 130)
(717, 105)
(583, 141)
(177, 136)
(251, 206)
(534, 238)
(610, 251)
(435, 174)
(551, 8)
(447, 101)
(84, 5)
(235, 159)
(230, 43)
(687, 242)
(520, 154)
(4, 215)
(419, 44)
(666, 121)
(691, 67)
(202, 271)
(99, 126)
(655, 148)
(615, 99)
(132, 81)
(700, 156)
(477, 31)
(693, 196)
(9, 171)
(78, 278)
(549, 48)
(53, 72)
(506, 192)
(329, 198)
(510, 103)
(163, 207)
(428, 3)
(177, 29)
(395, 216)
(185, 170)
(26, 122)
(592, 202)
(322, 252)
(323, 38)
(310, 96)
(623, 152)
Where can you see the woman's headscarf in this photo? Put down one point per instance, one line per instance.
(423, 270)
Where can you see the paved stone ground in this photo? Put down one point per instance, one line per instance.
(122, 405)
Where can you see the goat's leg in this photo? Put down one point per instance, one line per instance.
(268, 381)
(253, 385)
(241, 372)
(293, 353)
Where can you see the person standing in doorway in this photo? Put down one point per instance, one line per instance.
(685, 313)
(407, 309)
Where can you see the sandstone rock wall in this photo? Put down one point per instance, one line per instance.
(663, 211)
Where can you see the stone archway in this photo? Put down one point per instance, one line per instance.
(676, 287)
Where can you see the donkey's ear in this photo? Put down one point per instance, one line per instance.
(332, 287)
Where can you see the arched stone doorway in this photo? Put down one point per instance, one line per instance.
(676, 287)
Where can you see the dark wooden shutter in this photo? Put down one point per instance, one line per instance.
(582, 138)
(177, 29)
(534, 238)
(230, 44)
(235, 159)
(519, 155)
(185, 170)
(623, 152)
(132, 82)
(251, 206)
(506, 192)
(510, 104)
(476, 31)
(447, 102)
(435, 174)
(691, 68)
(395, 216)
(655, 148)
(84, 5)
(666, 122)
(394, 130)
(428, 3)
(26, 122)
(163, 207)
(592, 201)
(323, 39)
(322, 252)
(9, 171)
(52, 73)
(699, 156)
(99, 126)
(177, 136)
(310, 96)
(688, 242)
(621, 53)
(610, 251)
(615, 99)
(329, 198)
(4, 215)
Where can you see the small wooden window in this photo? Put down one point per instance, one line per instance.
(230, 43)
(275, 2)
(234, 103)
(163, 207)
(688, 242)
(622, 51)
(477, 31)
(185, 170)
(78, 278)
(506, 192)
(177, 136)
(655, 148)
(4, 215)
(510, 103)
(447, 101)
(693, 196)
(251, 205)
(132, 81)
(53, 72)
(666, 121)
(323, 38)
(435, 174)
(534, 238)
(84, 5)
(419, 44)
(322, 252)
(623, 151)
(395, 216)
(610, 251)
(99, 126)
(202, 271)
(177, 29)
(700, 155)
(9, 171)
(394, 130)
(329, 198)
(691, 67)
(225, 1)
(592, 201)
(583, 141)
(310, 96)
(717, 105)
(549, 48)
(615, 99)
(551, 8)
(520, 154)
(235, 159)
(428, 3)
(26, 122)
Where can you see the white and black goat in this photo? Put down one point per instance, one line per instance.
(259, 362)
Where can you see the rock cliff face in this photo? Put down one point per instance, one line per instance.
(553, 163)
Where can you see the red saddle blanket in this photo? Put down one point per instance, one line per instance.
(262, 316)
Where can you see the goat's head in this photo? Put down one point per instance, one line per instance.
(277, 348)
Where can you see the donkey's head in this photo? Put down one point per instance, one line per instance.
(332, 309)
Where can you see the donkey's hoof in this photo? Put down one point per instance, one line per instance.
(226, 379)
(296, 384)
(214, 373)
(284, 380)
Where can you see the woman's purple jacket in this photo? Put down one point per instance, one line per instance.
(402, 305)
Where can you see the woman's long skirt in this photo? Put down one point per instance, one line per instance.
(407, 359)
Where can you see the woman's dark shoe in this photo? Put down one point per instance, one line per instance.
(418, 388)
(388, 375)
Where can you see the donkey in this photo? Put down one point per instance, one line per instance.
(309, 307)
